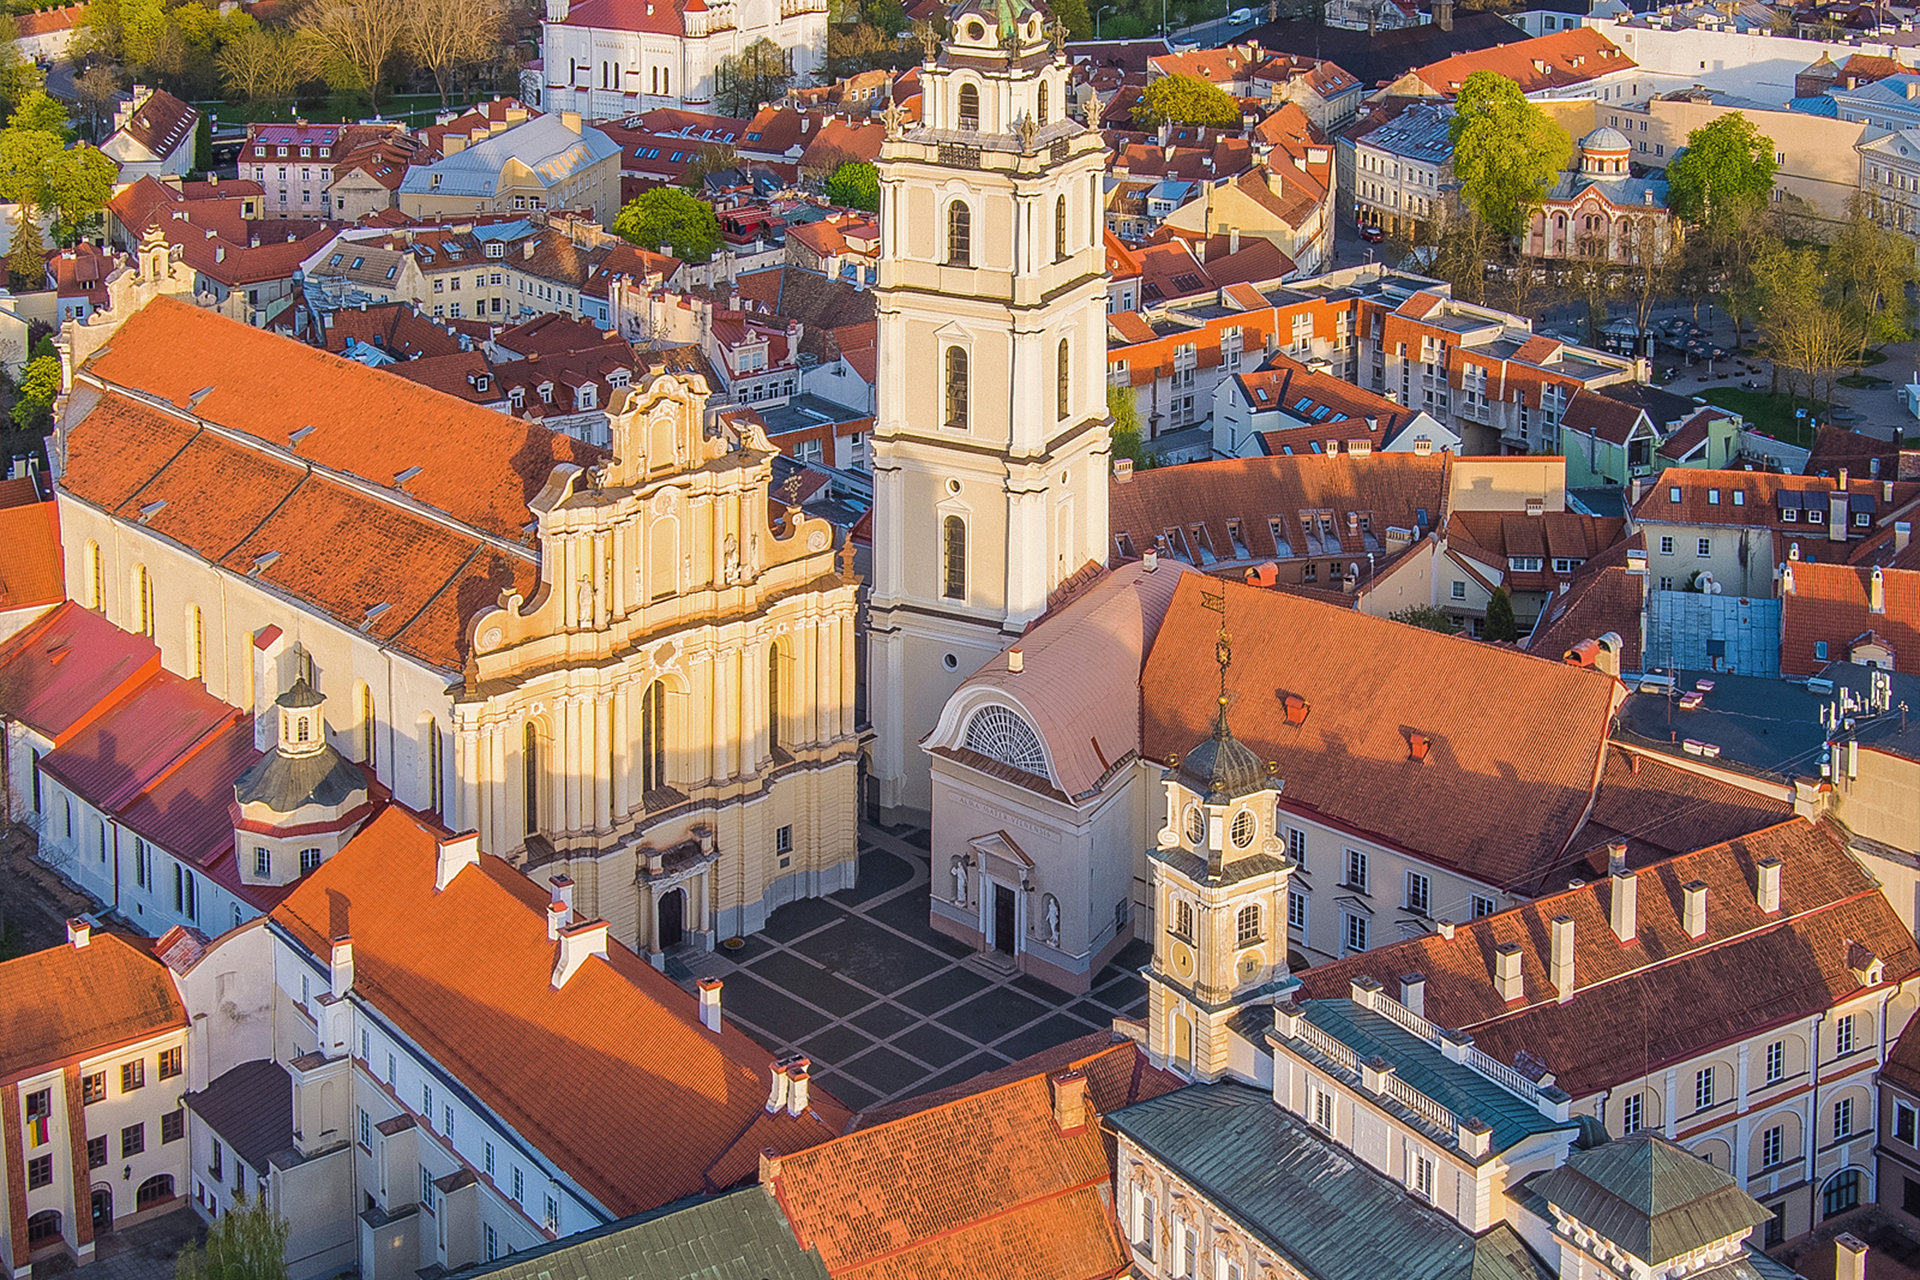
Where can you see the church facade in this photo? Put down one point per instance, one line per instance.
(625, 668)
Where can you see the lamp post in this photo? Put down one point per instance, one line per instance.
(1097, 13)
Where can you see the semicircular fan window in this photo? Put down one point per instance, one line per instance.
(1000, 734)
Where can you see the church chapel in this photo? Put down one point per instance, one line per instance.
(629, 668)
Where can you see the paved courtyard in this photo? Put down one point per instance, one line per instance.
(883, 1006)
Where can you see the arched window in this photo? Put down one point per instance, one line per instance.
(1040, 115)
(954, 559)
(1183, 919)
(96, 588)
(1062, 380)
(143, 600)
(1246, 929)
(436, 784)
(155, 1190)
(368, 736)
(959, 234)
(653, 737)
(1841, 1193)
(956, 386)
(196, 644)
(773, 695)
(969, 107)
(1060, 229)
(998, 733)
(530, 769)
(42, 1227)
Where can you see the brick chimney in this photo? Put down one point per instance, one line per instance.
(340, 972)
(1069, 1100)
(454, 853)
(577, 943)
(1767, 889)
(710, 1004)
(1561, 956)
(1693, 913)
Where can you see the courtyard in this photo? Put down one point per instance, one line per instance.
(884, 1007)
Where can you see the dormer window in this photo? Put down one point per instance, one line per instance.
(482, 381)
(495, 249)
(517, 397)
(584, 397)
(546, 393)
(306, 152)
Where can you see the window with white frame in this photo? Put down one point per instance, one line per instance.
(1297, 847)
(1632, 1113)
(1843, 1119)
(1296, 910)
(1843, 1036)
(1772, 1144)
(1419, 893)
(1703, 1088)
(1420, 1174)
(1776, 1061)
(1906, 1121)
(1483, 905)
(1356, 870)
(1355, 931)
(1321, 1102)
(1140, 1221)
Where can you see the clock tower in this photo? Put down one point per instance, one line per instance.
(1219, 879)
(992, 437)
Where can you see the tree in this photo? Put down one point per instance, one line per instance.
(1870, 268)
(1129, 433)
(1500, 624)
(1507, 152)
(1459, 245)
(79, 184)
(247, 1242)
(98, 88)
(359, 36)
(714, 157)
(1723, 176)
(1588, 275)
(1186, 100)
(38, 111)
(39, 384)
(27, 255)
(1651, 252)
(18, 76)
(267, 63)
(760, 74)
(855, 185)
(1072, 14)
(1805, 330)
(1427, 617)
(669, 218)
(445, 33)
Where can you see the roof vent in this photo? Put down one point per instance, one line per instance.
(373, 614)
(194, 399)
(1418, 744)
(263, 562)
(151, 510)
(295, 439)
(400, 481)
(1296, 708)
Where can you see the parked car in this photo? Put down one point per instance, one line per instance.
(1240, 18)
(1372, 234)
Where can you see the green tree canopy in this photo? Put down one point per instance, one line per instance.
(1500, 624)
(1507, 152)
(1072, 14)
(27, 255)
(1185, 100)
(761, 73)
(247, 1242)
(1129, 433)
(1427, 617)
(1723, 175)
(39, 111)
(855, 185)
(664, 217)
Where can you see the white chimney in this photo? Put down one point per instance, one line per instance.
(1767, 893)
(562, 887)
(1849, 1257)
(558, 918)
(577, 942)
(710, 1004)
(79, 932)
(1786, 578)
(1877, 591)
(1902, 534)
(777, 1095)
(1016, 660)
(1693, 915)
(1151, 560)
(797, 1088)
(1506, 971)
(1623, 911)
(455, 852)
(341, 973)
(1562, 956)
(1123, 470)
(1413, 992)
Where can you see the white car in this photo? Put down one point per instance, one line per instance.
(1240, 18)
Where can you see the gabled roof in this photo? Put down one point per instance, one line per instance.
(1602, 597)
(469, 968)
(1831, 604)
(1664, 997)
(1118, 1072)
(67, 668)
(160, 123)
(1656, 1200)
(1599, 415)
(1557, 60)
(32, 572)
(1509, 734)
(129, 747)
(71, 1002)
(985, 1186)
(1708, 497)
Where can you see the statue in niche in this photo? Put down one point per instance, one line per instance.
(959, 882)
(1053, 921)
(730, 560)
(586, 601)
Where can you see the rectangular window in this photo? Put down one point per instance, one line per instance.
(366, 1128)
(493, 1242)
(366, 1046)
(97, 1152)
(550, 1219)
(1296, 910)
(1771, 1145)
(1419, 893)
(1843, 1036)
(93, 1088)
(1703, 1088)
(39, 1172)
(1356, 932)
(1459, 590)
(263, 863)
(1356, 870)
(519, 1186)
(213, 1162)
(1820, 650)
(426, 1189)
(1704, 546)
(1322, 1109)
(1483, 905)
(1297, 847)
(133, 1075)
(487, 1161)
(426, 1103)
(1420, 1177)
(1632, 1113)
(446, 1115)
(1776, 1061)
(1843, 1119)
(1905, 1121)
(1666, 546)
(173, 1125)
(133, 1140)
(169, 1063)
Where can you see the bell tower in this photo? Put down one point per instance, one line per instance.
(992, 436)
(1219, 876)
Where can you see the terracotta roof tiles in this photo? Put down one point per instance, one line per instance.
(72, 1002)
(31, 571)
(1831, 605)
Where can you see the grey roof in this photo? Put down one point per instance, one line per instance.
(1453, 1085)
(1650, 193)
(1313, 1203)
(1773, 726)
(1650, 1197)
(285, 783)
(544, 144)
(300, 693)
(1421, 133)
(251, 1109)
(1224, 768)
(739, 1236)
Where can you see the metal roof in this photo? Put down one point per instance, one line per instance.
(1650, 1197)
(544, 144)
(1316, 1205)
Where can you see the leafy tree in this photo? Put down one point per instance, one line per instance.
(1427, 617)
(18, 76)
(203, 142)
(1186, 100)
(1500, 623)
(27, 255)
(1460, 245)
(669, 217)
(1804, 329)
(1129, 433)
(1723, 175)
(79, 184)
(267, 63)
(98, 88)
(855, 185)
(1072, 14)
(442, 34)
(715, 157)
(39, 384)
(1870, 268)
(760, 74)
(38, 111)
(1507, 152)
(247, 1242)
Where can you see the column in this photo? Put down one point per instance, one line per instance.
(579, 728)
(599, 581)
(620, 571)
(752, 720)
(824, 669)
(467, 774)
(564, 576)
(723, 741)
(603, 762)
(848, 656)
(504, 837)
(622, 749)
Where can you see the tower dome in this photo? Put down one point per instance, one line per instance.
(1223, 768)
(1604, 153)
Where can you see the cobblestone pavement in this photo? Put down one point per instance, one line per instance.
(883, 1006)
(143, 1251)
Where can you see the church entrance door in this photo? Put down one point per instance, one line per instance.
(1003, 929)
(673, 910)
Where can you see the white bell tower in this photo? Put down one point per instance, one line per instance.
(991, 445)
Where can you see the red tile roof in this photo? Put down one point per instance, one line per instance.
(1664, 997)
(1661, 808)
(1600, 416)
(1557, 60)
(31, 570)
(68, 1003)
(1830, 604)
(1509, 734)
(1602, 597)
(469, 969)
(986, 1186)
(477, 466)
(1118, 1072)
(60, 673)
(161, 123)
(1707, 497)
(44, 22)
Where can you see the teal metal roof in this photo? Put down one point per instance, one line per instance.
(1653, 1199)
(738, 1236)
(1453, 1085)
(1316, 1205)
